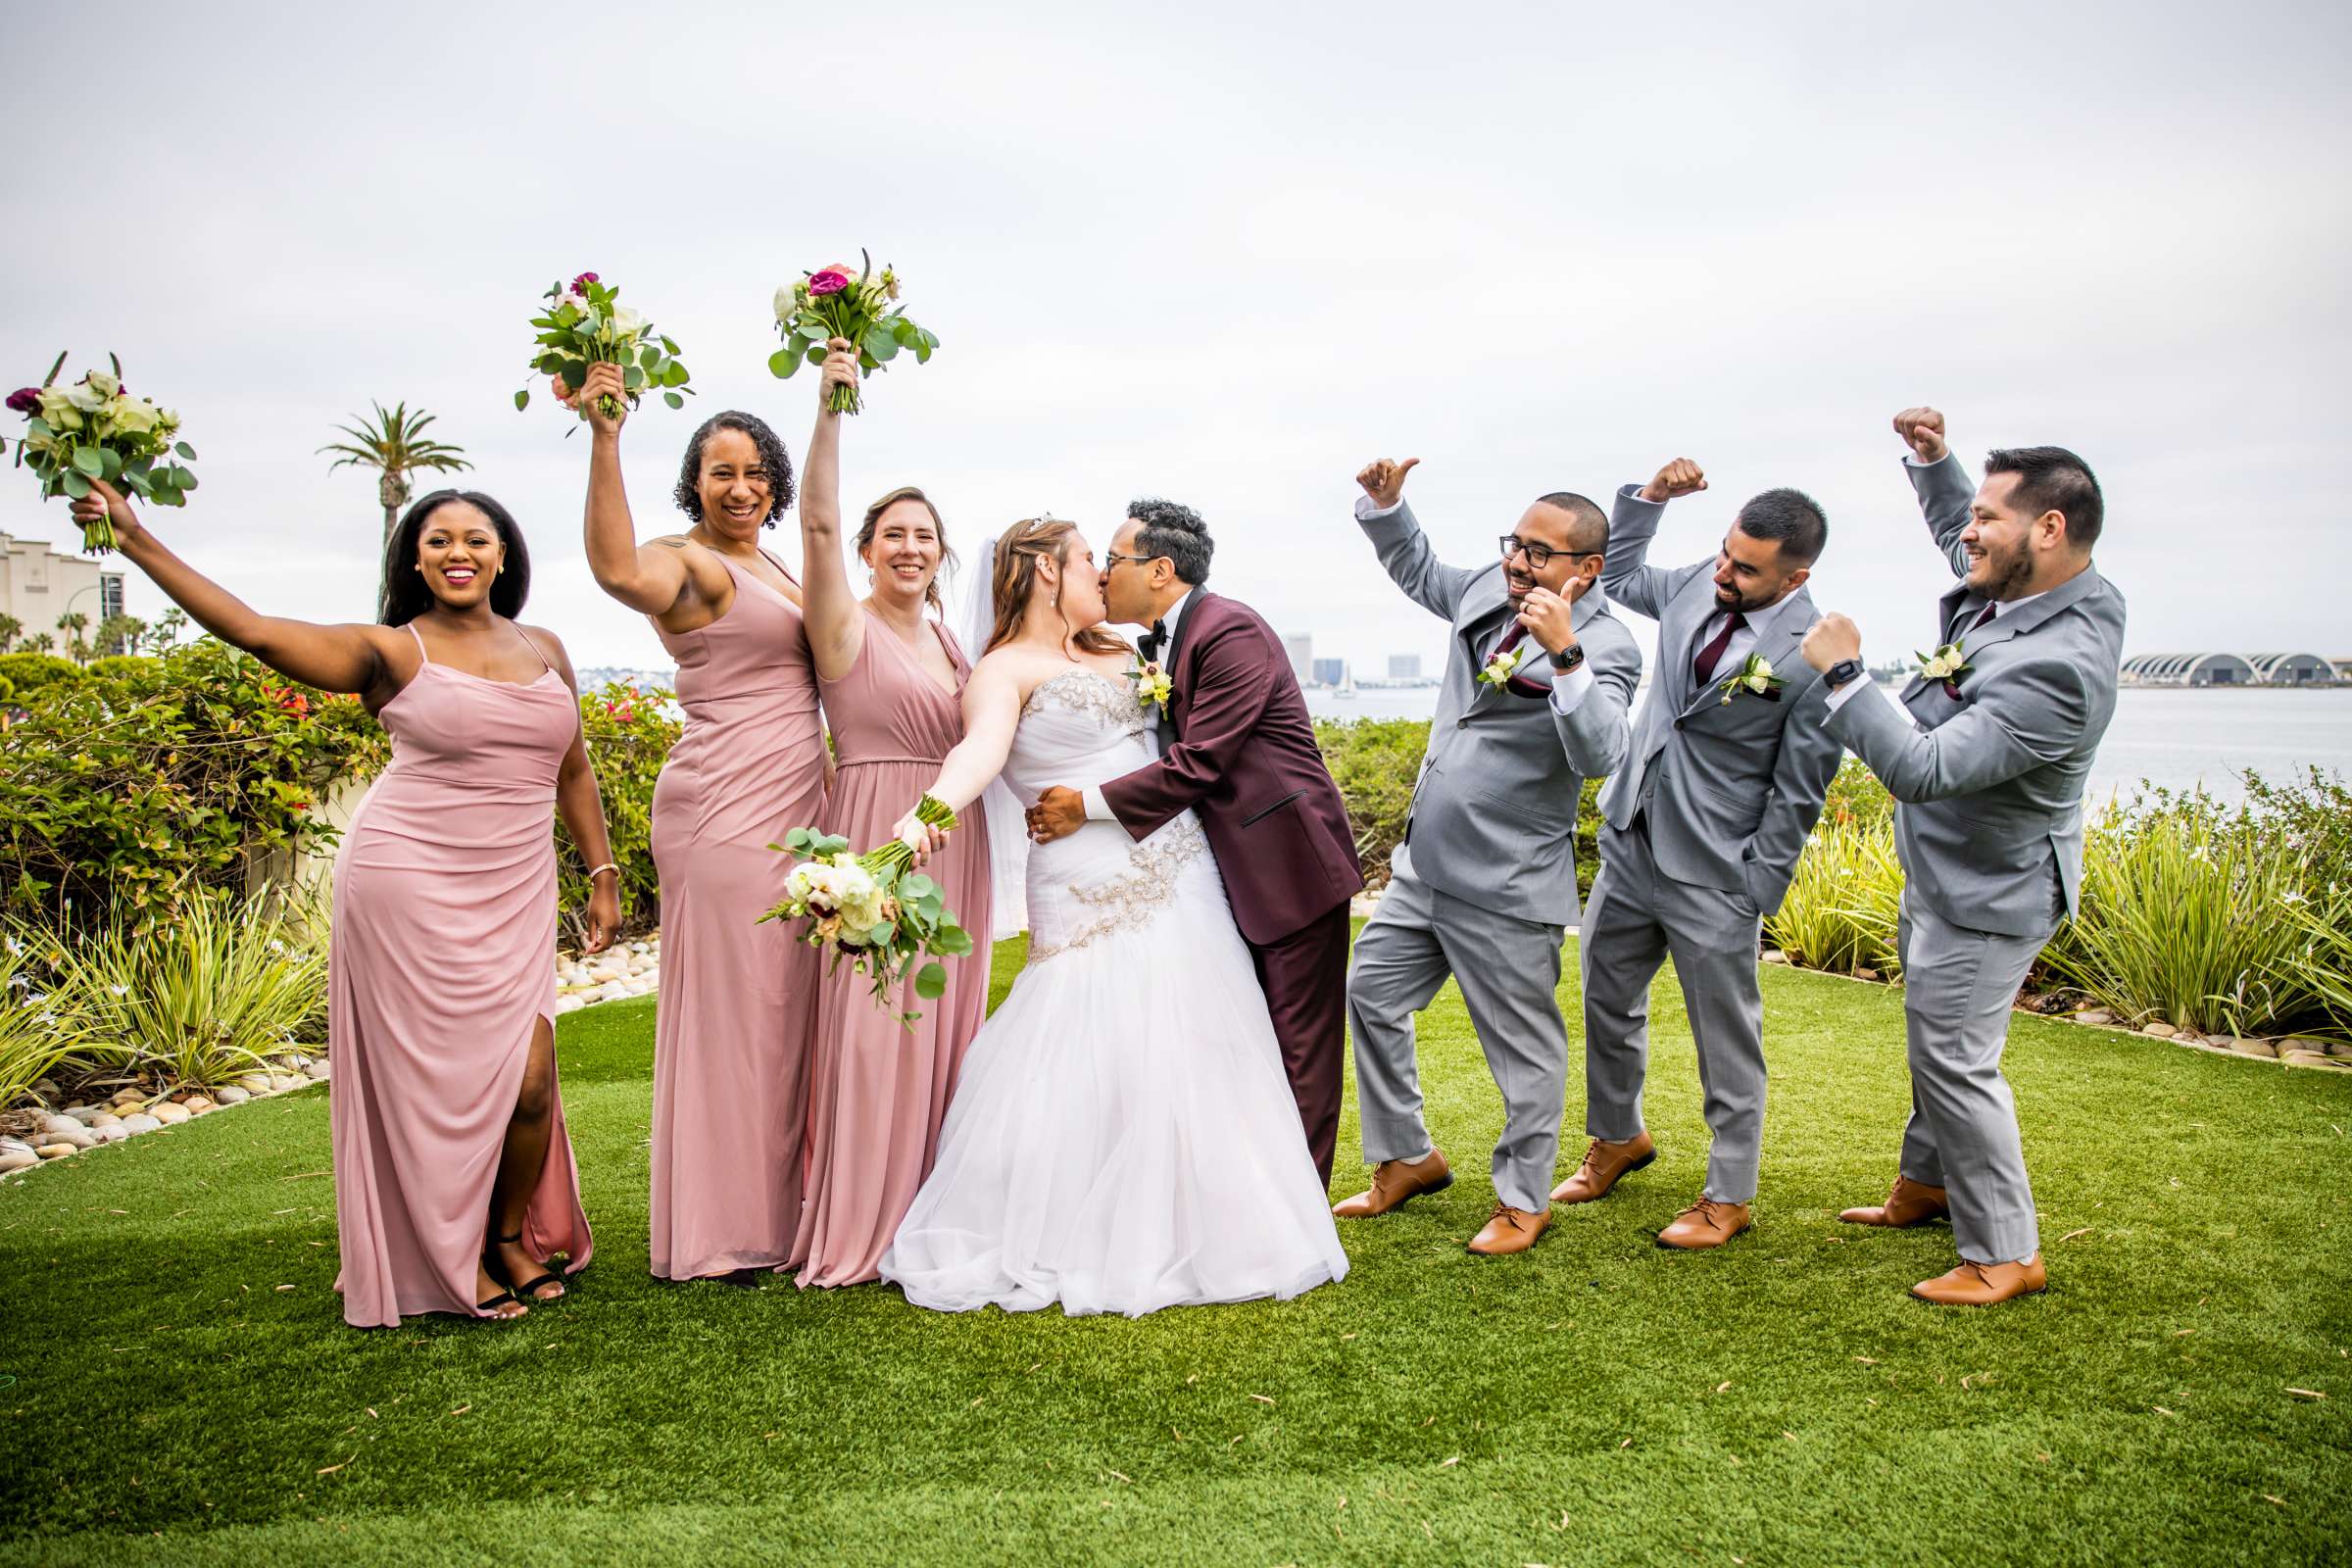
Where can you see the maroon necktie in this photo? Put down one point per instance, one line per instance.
(1518, 683)
(1704, 666)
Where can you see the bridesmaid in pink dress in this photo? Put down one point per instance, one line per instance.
(738, 998)
(893, 682)
(453, 1178)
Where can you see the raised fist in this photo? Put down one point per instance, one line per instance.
(1832, 639)
(1680, 477)
(1384, 480)
(1923, 429)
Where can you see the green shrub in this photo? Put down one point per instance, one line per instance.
(37, 1031)
(124, 794)
(1375, 762)
(199, 999)
(116, 666)
(29, 672)
(2188, 913)
(629, 733)
(1856, 797)
(1843, 902)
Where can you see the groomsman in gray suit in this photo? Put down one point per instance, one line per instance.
(1986, 756)
(1538, 680)
(1704, 826)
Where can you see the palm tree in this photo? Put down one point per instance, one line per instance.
(71, 624)
(120, 635)
(394, 445)
(11, 628)
(42, 644)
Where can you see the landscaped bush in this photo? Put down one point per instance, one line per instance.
(35, 1036)
(1842, 905)
(629, 732)
(199, 999)
(29, 672)
(1375, 762)
(126, 794)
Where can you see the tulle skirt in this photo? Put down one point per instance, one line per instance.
(1123, 1138)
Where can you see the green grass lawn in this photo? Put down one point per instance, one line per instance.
(177, 1383)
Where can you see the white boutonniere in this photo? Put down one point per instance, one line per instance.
(1501, 668)
(1755, 676)
(1946, 664)
(1152, 687)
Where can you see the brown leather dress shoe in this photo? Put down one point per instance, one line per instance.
(1910, 1204)
(1509, 1230)
(1605, 1163)
(1984, 1283)
(1704, 1224)
(1392, 1182)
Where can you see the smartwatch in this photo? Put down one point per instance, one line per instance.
(1843, 671)
(1573, 658)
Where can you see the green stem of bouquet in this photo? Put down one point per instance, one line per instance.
(895, 855)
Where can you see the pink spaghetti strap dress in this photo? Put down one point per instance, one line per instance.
(441, 966)
(731, 1037)
(879, 1093)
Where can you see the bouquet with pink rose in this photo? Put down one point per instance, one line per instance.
(584, 324)
(833, 302)
(94, 429)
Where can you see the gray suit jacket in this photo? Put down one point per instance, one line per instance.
(1493, 815)
(1991, 783)
(1738, 784)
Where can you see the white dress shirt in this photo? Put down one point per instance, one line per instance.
(1097, 810)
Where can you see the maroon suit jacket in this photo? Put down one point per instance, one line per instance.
(1243, 757)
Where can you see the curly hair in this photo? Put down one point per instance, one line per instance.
(774, 461)
(1176, 532)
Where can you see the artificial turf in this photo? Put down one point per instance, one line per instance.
(177, 1383)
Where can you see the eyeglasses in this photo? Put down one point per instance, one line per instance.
(1111, 557)
(1537, 556)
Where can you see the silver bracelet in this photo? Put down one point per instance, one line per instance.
(613, 867)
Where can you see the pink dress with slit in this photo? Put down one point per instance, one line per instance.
(879, 1092)
(737, 998)
(441, 967)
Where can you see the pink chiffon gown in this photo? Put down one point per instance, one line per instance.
(441, 966)
(737, 998)
(879, 1093)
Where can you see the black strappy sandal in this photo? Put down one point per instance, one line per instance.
(526, 1292)
(484, 1307)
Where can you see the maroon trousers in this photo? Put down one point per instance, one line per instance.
(1305, 976)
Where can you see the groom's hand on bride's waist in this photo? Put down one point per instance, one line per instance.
(1058, 813)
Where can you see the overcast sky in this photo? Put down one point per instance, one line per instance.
(1228, 253)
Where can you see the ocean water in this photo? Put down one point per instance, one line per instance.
(2178, 739)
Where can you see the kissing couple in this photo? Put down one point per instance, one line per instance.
(1149, 1118)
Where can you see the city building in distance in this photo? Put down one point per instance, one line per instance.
(1300, 651)
(38, 587)
(2228, 669)
(1404, 666)
(1329, 671)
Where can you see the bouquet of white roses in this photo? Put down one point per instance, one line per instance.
(874, 909)
(584, 324)
(831, 303)
(94, 429)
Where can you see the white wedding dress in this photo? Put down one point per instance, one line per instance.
(1122, 1138)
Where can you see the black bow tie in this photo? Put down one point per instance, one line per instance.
(1154, 641)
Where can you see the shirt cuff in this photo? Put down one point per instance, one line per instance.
(1845, 694)
(1569, 690)
(1097, 810)
(1367, 511)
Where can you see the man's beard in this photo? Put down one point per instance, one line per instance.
(2006, 578)
(1729, 598)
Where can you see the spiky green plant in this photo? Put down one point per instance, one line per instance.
(210, 996)
(37, 1029)
(1842, 905)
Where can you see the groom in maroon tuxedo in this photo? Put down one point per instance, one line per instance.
(1237, 749)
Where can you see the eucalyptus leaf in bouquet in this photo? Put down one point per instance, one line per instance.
(93, 428)
(863, 308)
(873, 910)
(582, 323)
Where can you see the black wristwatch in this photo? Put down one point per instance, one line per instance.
(1843, 671)
(1572, 658)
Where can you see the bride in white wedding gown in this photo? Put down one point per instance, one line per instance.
(1122, 1138)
